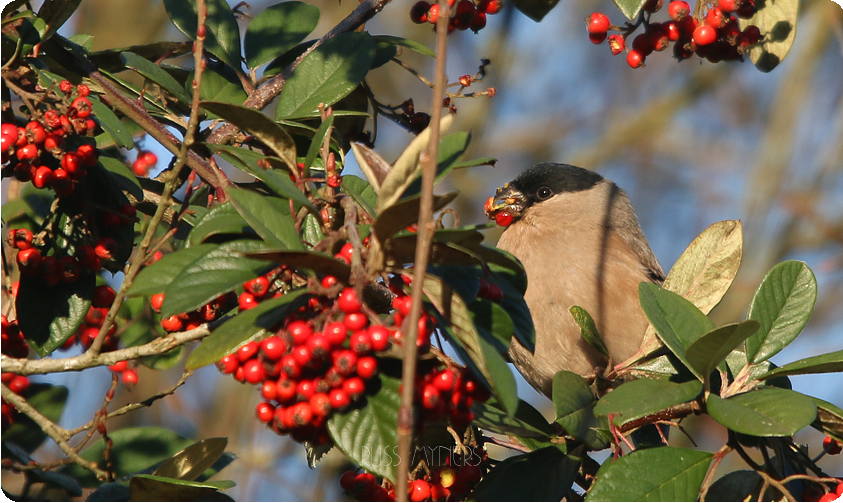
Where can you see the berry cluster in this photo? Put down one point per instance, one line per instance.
(13, 344)
(49, 148)
(815, 492)
(711, 32)
(188, 321)
(451, 482)
(449, 393)
(466, 15)
(144, 161)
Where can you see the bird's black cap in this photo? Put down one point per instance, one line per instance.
(559, 178)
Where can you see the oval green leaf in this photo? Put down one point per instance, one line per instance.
(326, 75)
(712, 348)
(49, 316)
(222, 219)
(546, 474)
(153, 488)
(574, 405)
(588, 329)
(277, 29)
(222, 35)
(269, 170)
(642, 397)
(111, 124)
(822, 364)
(768, 412)
(527, 421)
(782, 305)
(154, 73)
(777, 22)
(268, 216)
(313, 261)
(657, 474)
(155, 278)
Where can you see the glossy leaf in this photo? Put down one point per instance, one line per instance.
(677, 321)
(405, 42)
(192, 462)
(268, 216)
(451, 149)
(246, 326)
(543, 475)
(222, 219)
(154, 73)
(527, 421)
(642, 397)
(326, 75)
(657, 474)
(782, 305)
(777, 22)
(362, 193)
(367, 434)
(740, 485)
(222, 35)
(768, 412)
(399, 216)
(123, 177)
(313, 261)
(317, 141)
(220, 84)
(133, 450)
(258, 125)
(55, 13)
(707, 267)
(210, 275)
(574, 404)
(47, 399)
(588, 329)
(110, 123)
(535, 9)
(829, 419)
(821, 364)
(712, 348)
(373, 166)
(492, 319)
(277, 29)
(407, 167)
(109, 59)
(49, 316)
(154, 278)
(154, 488)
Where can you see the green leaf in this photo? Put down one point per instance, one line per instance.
(546, 474)
(268, 216)
(707, 267)
(397, 217)
(55, 13)
(111, 124)
(821, 364)
(362, 193)
(133, 450)
(258, 125)
(326, 75)
(222, 219)
(768, 412)
(535, 9)
(122, 175)
(451, 148)
(222, 35)
(588, 329)
(407, 167)
(630, 8)
(313, 261)
(677, 322)
(154, 73)
(367, 434)
(318, 140)
(154, 488)
(829, 419)
(154, 278)
(712, 348)
(405, 42)
(192, 462)
(246, 326)
(277, 29)
(527, 421)
(740, 485)
(219, 83)
(480, 161)
(782, 304)
(777, 22)
(642, 397)
(657, 474)
(47, 399)
(492, 319)
(267, 169)
(210, 275)
(574, 404)
(49, 316)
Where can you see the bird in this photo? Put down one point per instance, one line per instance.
(577, 236)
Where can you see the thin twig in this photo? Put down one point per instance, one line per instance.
(718, 457)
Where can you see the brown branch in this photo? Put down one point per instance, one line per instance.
(58, 434)
(673, 412)
(270, 89)
(425, 237)
(25, 366)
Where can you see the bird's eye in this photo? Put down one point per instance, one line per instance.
(544, 193)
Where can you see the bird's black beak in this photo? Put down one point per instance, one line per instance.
(506, 198)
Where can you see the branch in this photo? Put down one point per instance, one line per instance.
(25, 366)
(270, 89)
(58, 434)
(425, 237)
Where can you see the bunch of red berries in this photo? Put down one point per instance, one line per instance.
(466, 15)
(144, 161)
(712, 32)
(188, 321)
(449, 393)
(38, 147)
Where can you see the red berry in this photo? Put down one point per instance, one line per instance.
(347, 480)
(65, 86)
(35, 133)
(329, 281)
(444, 381)
(82, 106)
(83, 90)
(257, 287)
(336, 333)
(302, 415)
(367, 367)
(19, 238)
(832, 446)
(431, 399)
(285, 390)
(433, 13)
(672, 30)
(106, 248)
(339, 399)
(290, 366)
(828, 497)
(348, 301)
(753, 34)
(470, 474)
(247, 351)
(320, 405)
(103, 296)
(119, 367)
(354, 387)
(246, 301)
(355, 321)
(617, 43)
(24, 171)
(641, 43)
(715, 17)
(172, 324)
(478, 22)
(493, 6)
(265, 412)
(156, 301)
(300, 331)
(364, 486)
(273, 348)
(319, 346)
(705, 35)
(129, 378)
(379, 336)
(88, 154)
(302, 356)
(228, 364)
(253, 371)
(747, 10)
(19, 384)
(504, 218)
(597, 22)
(27, 152)
(678, 10)
(419, 490)
(29, 260)
(345, 361)
(596, 38)
(418, 13)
